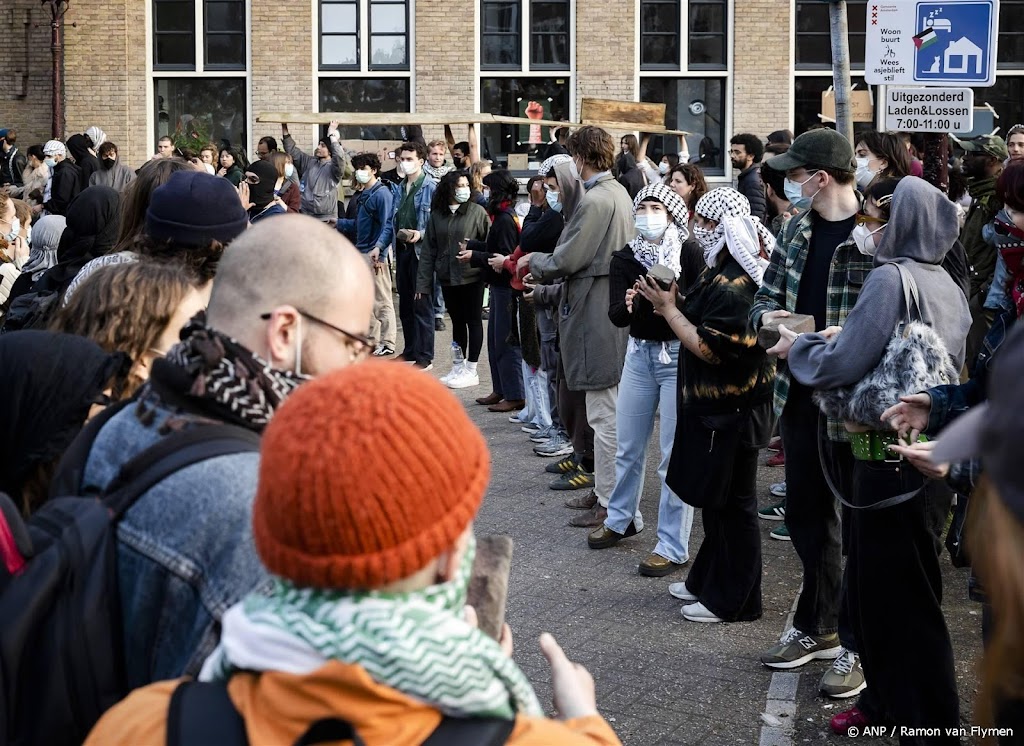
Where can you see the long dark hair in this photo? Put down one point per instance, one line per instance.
(444, 195)
(891, 148)
(504, 188)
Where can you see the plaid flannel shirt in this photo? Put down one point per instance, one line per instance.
(849, 269)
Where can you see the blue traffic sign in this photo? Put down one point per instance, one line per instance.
(954, 42)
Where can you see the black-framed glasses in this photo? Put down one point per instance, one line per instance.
(366, 344)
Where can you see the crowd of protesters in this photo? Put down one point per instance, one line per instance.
(833, 299)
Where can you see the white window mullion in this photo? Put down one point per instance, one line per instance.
(364, 35)
(524, 39)
(200, 37)
(684, 36)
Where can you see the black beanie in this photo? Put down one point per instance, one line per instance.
(194, 208)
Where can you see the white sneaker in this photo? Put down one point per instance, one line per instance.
(680, 591)
(698, 612)
(456, 369)
(464, 380)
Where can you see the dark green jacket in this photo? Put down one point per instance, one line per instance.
(981, 255)
(441, 246)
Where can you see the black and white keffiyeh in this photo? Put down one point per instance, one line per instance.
(668, 252)
(746, 239)
(550, 163)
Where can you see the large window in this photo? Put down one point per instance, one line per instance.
(1006, 97)
(510, 97)
(204, 109)
(695, 105)
(507, 25)
(364, 35)
(199, 71)
(666, 25)
(813, 35)
(807, 95)
(1010, 52)
(359, 95)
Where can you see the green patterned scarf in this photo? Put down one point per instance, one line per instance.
(417, 643)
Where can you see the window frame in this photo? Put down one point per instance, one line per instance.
(684, 37)
(530, 33)
(155, 35)
(1006, 8)
(525, 35)
(379, 67)
(320, 33)
(802, 68)
(364, 36)
(244, 33)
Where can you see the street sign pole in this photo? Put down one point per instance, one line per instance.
(841, 67)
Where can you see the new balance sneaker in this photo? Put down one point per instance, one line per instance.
(456, 369)
(574, 480)
(561, 467)
(531, 428)
(776, 512)
(845, 678)
(780, 533)
(796, 648)
(778, 489)
(465, 379)
(559, 445)
(544, 434)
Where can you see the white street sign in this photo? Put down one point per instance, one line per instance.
(929, 109)
(931, 43)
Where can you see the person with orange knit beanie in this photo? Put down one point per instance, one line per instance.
(366, 619)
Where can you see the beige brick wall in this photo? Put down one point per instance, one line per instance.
(761, 67)
(606, 40)
(281, 44)
(104, 69)
(444, 67)
(25, 60)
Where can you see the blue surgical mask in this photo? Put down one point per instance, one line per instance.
(289, 170)
(50, 163)
(363, 176)
(461, 194)
(795, 193)
(652, 227)
(553, 203)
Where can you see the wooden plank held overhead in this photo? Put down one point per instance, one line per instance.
(371, 120)
(641, 116)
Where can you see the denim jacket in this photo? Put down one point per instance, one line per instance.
(421, 200)
(185, 550)
(949, 402)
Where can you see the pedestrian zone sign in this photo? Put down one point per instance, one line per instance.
(931, 43)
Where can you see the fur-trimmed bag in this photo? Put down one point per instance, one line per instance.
(916, 359)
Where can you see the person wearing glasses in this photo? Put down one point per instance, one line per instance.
(290, 301)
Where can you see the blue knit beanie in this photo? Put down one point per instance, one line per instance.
(194, 208)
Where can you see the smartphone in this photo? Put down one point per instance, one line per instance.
(391, 155)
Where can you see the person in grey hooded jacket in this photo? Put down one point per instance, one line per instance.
(112, 172)
(893, 578)
(321, 173)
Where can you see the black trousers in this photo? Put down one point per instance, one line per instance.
(572, 407)
(894, 597)
(417, 315)
(811, 513)
(465, 305)
(726, 573)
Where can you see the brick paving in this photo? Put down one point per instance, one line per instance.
(661, 680)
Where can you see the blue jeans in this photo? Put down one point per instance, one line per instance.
(538, 407)
(648, 385)
(506, 361)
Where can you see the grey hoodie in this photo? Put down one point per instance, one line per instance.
(922, 228)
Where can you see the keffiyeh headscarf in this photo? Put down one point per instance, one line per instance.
(668, 251)
(741, 233)
(550, 163)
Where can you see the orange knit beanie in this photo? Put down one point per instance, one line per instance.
(366, 475)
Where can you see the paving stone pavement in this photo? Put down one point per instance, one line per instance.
(661, 681)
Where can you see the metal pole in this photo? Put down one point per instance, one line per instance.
(841, 67)
(936, 160)
(57, 10)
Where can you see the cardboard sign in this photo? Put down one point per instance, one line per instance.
(860, 103)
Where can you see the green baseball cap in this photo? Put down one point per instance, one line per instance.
(992, 145)
(821, 148)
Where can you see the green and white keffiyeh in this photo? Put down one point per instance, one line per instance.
(418, 643)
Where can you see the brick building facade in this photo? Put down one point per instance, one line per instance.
(143, 68)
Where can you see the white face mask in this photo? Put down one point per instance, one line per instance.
(864, 237)
(652, 227)
(15, 230)
(362, 176)
(461, 194)
(662, 168)
(408, 168)
(864, 175)
(289, 170)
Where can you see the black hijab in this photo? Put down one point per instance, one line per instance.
(92, 222)
(78, 146)
(48, 382)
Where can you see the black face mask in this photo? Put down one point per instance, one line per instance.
(107, 163)
(458, 162)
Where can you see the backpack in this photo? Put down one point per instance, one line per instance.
(202, 714)
(31, 311)
(61, 644)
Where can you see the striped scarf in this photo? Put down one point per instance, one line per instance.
(417, 643)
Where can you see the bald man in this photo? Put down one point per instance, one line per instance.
(290, 301)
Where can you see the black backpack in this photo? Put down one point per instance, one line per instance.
(202, 714)
(61, 644)
(31, 311)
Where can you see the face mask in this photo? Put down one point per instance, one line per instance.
(553, 203)
(864, 175)
(50, 162)
(458, 163)
(15, 230)
(662, 168)
(795, 193)
(487, 193)
(706, 238)
(864, 238)
(108, 163)
(408, 168)
(289, 170)
(362, 176)
(652, 227)
(461, 194)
